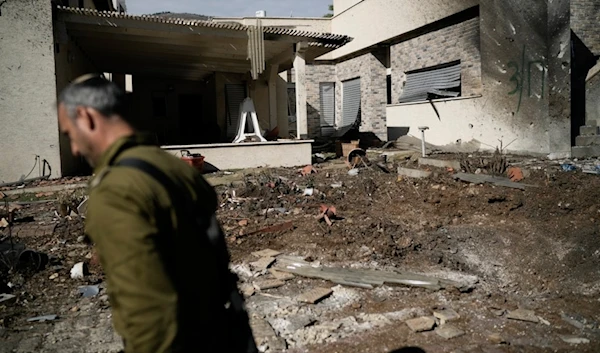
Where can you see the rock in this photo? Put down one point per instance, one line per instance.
(53, 276)
(523, 315)
(6, 299)
(449, 332)
(43, 318)
(574, 340)
(74, 309)
(243, 222)
(495, 338)
(497, 311)
(446, 315)
(314, 295)
(544, 321)
(425, 323)
(89, 291)
(80, 239)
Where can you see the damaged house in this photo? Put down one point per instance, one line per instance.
(486, 74)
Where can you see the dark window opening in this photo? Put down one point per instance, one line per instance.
(389, 89)
(159, 105)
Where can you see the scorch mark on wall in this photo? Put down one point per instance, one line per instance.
(519, 76)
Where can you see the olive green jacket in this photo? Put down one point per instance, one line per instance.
(161, 279)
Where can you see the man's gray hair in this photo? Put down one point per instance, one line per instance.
(94, 91)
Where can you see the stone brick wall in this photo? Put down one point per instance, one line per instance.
(315, 74)
(584, 22)
(456, 42)
(373, 87)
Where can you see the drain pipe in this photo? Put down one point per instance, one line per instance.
(423, 150)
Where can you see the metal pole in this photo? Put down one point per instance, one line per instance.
(423, 151)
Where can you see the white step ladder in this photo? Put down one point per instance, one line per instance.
(247, 108)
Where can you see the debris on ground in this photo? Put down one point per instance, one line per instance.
(446, 315)
(7, 299)
(79, 270)
(309, 169)
(523, 315)
(328, 214)
(43, 318)
(314, 295)
(89, 291)
(367, 278)
(574, 340)
(482, 179)
(421, 324)
(449, 332)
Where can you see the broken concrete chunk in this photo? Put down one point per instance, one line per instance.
(263, 263)
(282, 276)
(6, 299)
(449, 332)
(247, 290)
(79, 270)
(421, 324)
(446, 315)
(574, 340)
(440, 163)
(314, 295)
(413, 173)
(266, 253)
(523, 315)
(268, 284)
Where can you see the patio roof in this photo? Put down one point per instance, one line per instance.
(118, 42)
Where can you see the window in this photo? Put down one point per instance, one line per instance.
(441, 81)
(351, 102)
(327, 98)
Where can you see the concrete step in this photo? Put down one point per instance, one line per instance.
(585, 151)
(587, 130)
(590, 140)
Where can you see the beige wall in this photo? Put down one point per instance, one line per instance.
(372, 21)
(27, 90)
(321, 25)
(340, 6)
(70, 63)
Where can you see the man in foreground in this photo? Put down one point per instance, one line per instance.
(152, 219)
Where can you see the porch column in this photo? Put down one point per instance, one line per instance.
(273, 77)
(300, 72)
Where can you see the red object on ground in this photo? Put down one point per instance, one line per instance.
(195, 160)
(515, 174)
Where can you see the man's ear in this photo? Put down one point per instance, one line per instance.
(86, 119)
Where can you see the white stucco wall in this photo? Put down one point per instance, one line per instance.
(372, 21)
(340, 6)
(467, 120)
(27, 90)
(321, 25)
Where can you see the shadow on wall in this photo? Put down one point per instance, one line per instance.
(408, 350)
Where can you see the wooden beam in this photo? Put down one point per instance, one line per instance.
(229, 44)
(160, 50)
(124, 25)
